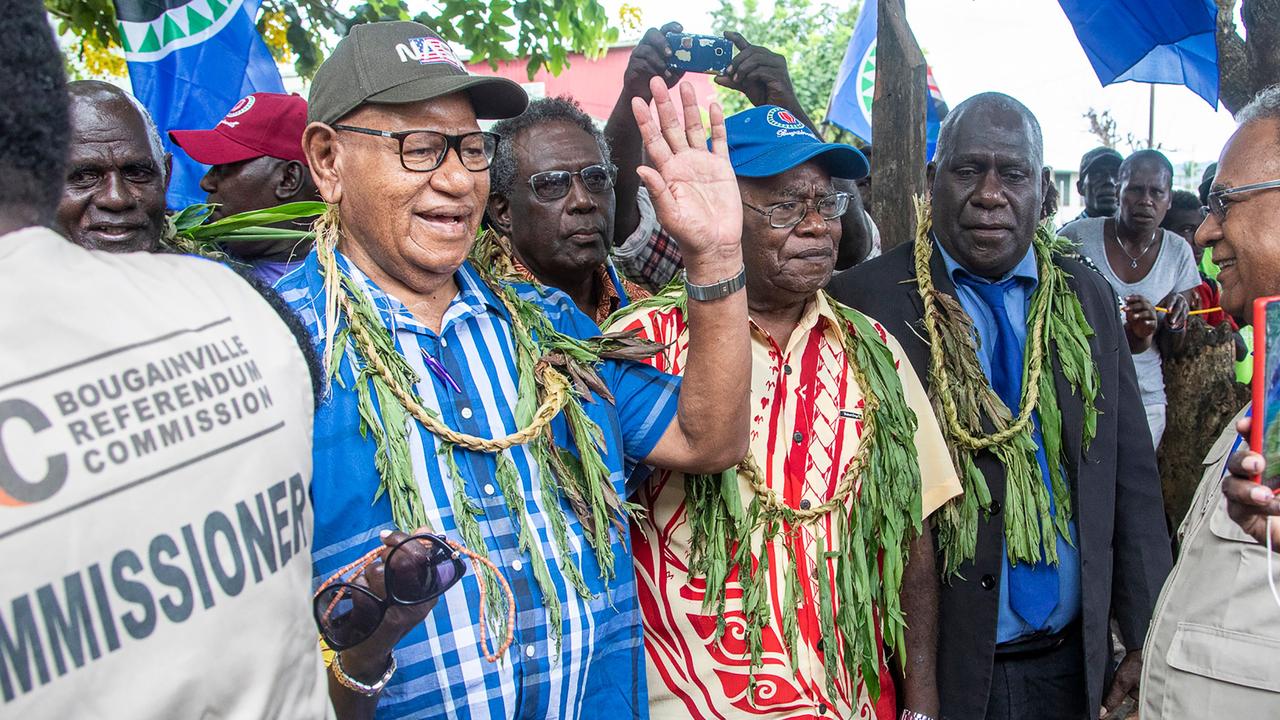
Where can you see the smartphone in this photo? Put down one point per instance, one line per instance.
(1264, 435)
(699, 53)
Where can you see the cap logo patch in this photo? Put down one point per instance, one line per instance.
(787, 123)
(428, 50)
(242, 106)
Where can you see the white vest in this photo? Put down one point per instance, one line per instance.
(155, 465)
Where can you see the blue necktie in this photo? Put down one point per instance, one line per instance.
(1033, 588)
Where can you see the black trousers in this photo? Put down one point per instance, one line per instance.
(1047, 686)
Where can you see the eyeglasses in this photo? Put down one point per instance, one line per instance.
(1217, 199)
(555, 184)
(789, 214)
(424, 150)
(417, 570)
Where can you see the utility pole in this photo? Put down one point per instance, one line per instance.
(1151, 119)
(898, 114)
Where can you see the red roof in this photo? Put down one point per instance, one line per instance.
(595, 84)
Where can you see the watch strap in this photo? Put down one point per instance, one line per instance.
(716, 290)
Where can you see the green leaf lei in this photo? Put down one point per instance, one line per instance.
(873, 531)
(188, 230)
(556, 374)
(962, 396)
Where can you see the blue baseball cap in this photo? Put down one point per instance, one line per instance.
(768, 140)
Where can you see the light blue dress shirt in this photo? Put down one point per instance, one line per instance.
(1017, 299)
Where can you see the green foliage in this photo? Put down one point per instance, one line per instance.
(545, 31)
(811, 34)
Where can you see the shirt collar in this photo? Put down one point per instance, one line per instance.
(817, 312)
(474, 296)
(1025, 271)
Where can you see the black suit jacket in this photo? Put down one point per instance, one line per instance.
(1115, 489)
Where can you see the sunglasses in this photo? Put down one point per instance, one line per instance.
(1218, 203)
(424, 150)
(418, 569)
(555, 184)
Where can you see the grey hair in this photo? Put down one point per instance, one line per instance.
(1264, 106)
(96, 89)
(544, 111)
(990, 100)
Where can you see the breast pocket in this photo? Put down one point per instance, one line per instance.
(1221, 673)
(1210, 489)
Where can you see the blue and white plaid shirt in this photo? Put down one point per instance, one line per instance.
(599, 672)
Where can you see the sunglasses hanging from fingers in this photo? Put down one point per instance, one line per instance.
(416, 570)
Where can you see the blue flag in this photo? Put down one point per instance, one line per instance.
(189, 62)
(1153, 41)
(855, 88)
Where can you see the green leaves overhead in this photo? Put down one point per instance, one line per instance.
(811, 34)
(545, 31)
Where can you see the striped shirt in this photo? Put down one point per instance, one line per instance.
(806, 427)
(599, 670)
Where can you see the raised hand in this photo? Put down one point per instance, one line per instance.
(759, 73)
(694, 191)
(649, 60)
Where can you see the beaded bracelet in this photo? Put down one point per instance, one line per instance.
(354, 685)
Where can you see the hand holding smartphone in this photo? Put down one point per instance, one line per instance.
(1264, 431)
(699, 53)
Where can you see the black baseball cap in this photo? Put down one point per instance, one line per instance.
(402, 62)
(1097, 155)
(1206, 182)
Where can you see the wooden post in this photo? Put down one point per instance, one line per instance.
(898, 116)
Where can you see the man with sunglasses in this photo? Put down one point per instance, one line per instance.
(452, 405)
(1214, 642)
(787, 513)
(642, 251)
(552, 173)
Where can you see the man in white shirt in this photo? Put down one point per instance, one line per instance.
(155, 428)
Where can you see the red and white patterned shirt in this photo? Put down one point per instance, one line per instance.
(805, 430)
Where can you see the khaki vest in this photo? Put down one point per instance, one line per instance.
(1213, 650)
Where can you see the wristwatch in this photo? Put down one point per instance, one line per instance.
(913, 715)
(716, 290)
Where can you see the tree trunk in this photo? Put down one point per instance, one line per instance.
(898, 113)
(1202, 396)
(1262, 43)
(1245, 67)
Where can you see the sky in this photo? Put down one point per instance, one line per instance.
(1027, 49)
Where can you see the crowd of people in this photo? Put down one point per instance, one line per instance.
(555, 420)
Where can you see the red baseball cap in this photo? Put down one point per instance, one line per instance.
(260, 124)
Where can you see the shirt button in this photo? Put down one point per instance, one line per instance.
(798, 437)
(996, 507)
(804, 504)
(987, 582)
(529, 650)
(786, 369)
(444, 343)
(819, 645)
(488, 489)
(822, 708)
(517, 565)
(466, 413)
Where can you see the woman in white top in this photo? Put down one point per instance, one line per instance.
(1151, 269)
